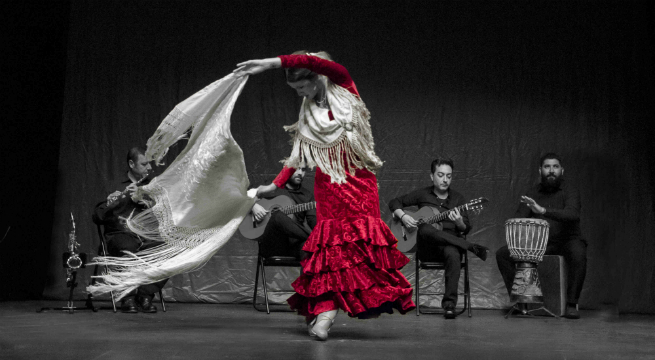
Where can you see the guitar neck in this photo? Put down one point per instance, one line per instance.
(292, 209)
(442, 216)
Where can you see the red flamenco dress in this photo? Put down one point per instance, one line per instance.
(354, 263)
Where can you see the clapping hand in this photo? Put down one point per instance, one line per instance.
(536, 208)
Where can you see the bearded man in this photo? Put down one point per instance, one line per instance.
(558, 203)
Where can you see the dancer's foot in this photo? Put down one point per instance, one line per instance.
(310, 325)
(480, 251)
(323, 323)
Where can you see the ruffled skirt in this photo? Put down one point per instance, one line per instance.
(354, 264)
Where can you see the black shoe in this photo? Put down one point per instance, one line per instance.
(449, 312)
(480, 251)
(128, 305)
(571, 312)
(146, 306)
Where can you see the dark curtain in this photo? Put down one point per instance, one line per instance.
(491, 85)
(33, 68)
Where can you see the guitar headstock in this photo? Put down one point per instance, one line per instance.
(476, 205)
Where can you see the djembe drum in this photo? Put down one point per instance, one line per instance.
(526, 241)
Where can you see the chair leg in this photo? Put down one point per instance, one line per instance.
(417, 285)
(161, 299)
(254, 295)
(268, 311)
(467, 288)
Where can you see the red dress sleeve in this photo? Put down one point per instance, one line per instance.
(337, 73)
(283, 176)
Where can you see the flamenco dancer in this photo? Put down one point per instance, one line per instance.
(354, 265)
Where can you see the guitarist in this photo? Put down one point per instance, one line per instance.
(283, 235)
(440, 245)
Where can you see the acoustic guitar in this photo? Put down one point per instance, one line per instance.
(427, 215)
(251, 229)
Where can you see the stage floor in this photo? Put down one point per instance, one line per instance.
(209, 331)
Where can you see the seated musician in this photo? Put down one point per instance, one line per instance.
(440, 245)
(112, 215)
(558, 203)
(285, 236)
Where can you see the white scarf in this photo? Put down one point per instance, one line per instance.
(335, 146)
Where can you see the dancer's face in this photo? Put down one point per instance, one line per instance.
(442, 177)
(306, 88)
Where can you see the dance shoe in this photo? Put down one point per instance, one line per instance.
(146, 306)
(128, 306)
(322, 325)
(480, 251)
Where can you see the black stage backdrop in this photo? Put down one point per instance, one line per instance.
(492, 85)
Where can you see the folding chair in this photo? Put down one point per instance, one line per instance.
(435, 265)
(102, 251)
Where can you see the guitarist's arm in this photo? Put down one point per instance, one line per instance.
(396, 206)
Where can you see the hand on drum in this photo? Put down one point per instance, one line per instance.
(533, 205)
(456, 217)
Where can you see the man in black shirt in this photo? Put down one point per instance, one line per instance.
(285, 236)
(113, 213)
(440, 245)
(558, 203)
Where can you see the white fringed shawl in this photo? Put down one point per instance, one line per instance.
(337, 146)
(200, 199)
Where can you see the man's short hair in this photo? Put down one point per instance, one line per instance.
(133, 154)
(441, 161)
(550, 156)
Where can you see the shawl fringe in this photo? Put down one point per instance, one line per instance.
(353, 149)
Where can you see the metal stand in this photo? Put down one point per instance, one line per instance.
(526, 289)
(72, 284)
(525, 312)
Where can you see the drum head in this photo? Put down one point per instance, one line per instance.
(527, 222)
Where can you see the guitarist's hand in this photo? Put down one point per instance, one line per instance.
(409, 222)
(258, 212)
(456, 217)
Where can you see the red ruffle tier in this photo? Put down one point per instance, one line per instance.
(354, 267)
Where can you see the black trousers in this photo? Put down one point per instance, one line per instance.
(574, 252)
(117, 242)
(437, 245)
(283, 236)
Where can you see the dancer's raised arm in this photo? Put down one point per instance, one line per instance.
(252, 67)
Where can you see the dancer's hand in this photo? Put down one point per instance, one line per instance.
(253, 67)
(258, 212)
